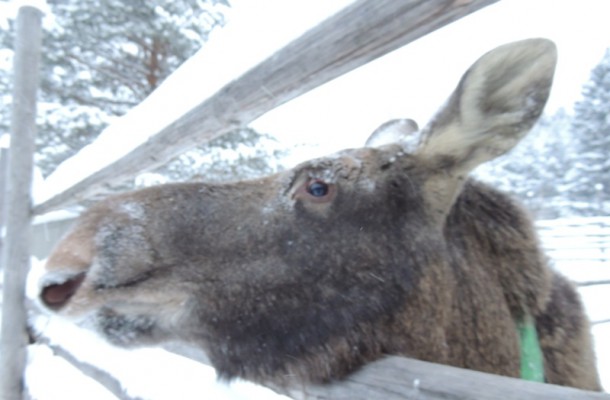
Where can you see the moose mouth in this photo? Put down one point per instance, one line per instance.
(56, 295)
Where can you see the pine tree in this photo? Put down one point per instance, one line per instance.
(102, 57)
(237, 155)
(590, 173)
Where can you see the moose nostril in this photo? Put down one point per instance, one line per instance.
(56, 295)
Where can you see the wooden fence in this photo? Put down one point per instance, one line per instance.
(569, 240)
(361, 32)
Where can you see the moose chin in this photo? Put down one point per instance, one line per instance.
(313, 272)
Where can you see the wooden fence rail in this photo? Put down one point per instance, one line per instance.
(397, 378)
(577, 239)
(400, 378)
(580, 249)
(356, 35)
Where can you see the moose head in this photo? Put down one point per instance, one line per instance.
(313, 272)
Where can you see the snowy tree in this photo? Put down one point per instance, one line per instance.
(102, 57)
(237, 155)
(589, 177)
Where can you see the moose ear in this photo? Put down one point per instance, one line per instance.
(495, 104)
(393, 131)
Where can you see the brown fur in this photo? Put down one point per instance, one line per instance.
(400, 253)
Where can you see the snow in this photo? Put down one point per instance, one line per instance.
(146, 373)
(5, 141)
(58, 215)
(601, 335)
(596, 310)
(41, 360)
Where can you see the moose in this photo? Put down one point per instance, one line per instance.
(308, 274)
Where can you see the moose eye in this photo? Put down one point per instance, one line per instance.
(316, 191)
(317, 188)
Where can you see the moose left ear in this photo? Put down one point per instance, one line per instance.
(495, 104)
(393, 131)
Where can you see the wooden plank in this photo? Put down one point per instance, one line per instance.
(396, 378)
(15, 251)
(399, 378)
(356, 35)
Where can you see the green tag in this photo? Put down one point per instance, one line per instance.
(532, 363)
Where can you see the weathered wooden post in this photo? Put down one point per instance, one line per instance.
(4, 143)
(15, 251)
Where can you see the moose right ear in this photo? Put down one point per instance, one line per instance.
(495, 104)
(393, 131)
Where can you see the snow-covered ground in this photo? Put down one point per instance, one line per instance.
(147, 373)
